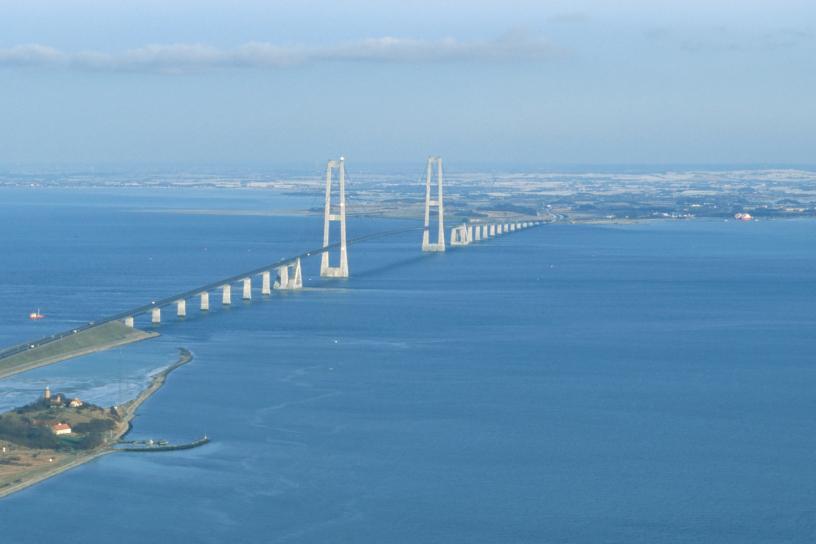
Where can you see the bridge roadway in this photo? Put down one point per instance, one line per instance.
(19, 348)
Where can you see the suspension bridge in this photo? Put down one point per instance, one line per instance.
(286, 274)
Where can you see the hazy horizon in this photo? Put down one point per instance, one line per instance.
(317, 168)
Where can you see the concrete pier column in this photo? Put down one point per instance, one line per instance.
(459, 236)
(477, 233)
(296, 282)
(283, 277)
(484, 232)
(181, 308)
(247, 294)
(512, 227)
(469, 233)
(492, 230)
(155, 316)
(266, 288)
(518, 226)
(205, 301)
(226, 295)
(129, 321)
(290, 279)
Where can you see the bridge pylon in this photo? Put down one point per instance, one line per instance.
(438, 203)
(341, 270)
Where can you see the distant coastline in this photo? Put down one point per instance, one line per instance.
(571, 195)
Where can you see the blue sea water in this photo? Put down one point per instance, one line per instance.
(572, 383)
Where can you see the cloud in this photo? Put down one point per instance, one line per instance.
(183, 58)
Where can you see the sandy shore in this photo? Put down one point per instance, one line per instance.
(71, 460)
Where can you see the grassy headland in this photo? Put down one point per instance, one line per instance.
(105, 336)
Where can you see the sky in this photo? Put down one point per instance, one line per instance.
(513, 82)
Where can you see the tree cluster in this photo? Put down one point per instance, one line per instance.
(22, 431)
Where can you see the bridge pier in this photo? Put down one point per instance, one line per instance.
(484, 232)
(439, 245)
(296, 280)
(287, 281)
(341, 270)
(247, 294)
(266, 288)
(492, 230)
(181, 308)
(459, 236)
(512, 227)
(155, 316)
(283, 277)
(129, 321)
(226, 294)
(205, 301)
(477, 233)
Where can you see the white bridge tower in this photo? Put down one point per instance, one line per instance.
(341, 270)
(439, 245)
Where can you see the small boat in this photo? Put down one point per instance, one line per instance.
(36, 315)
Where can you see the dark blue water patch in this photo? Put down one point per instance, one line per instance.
(639, 383)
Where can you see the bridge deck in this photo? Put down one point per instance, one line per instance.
(166, 301)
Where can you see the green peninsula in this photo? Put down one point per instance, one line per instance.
(102, 337)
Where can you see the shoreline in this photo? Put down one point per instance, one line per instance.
(129, 411)
(137, 335)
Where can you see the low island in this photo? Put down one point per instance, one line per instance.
(55, 433)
